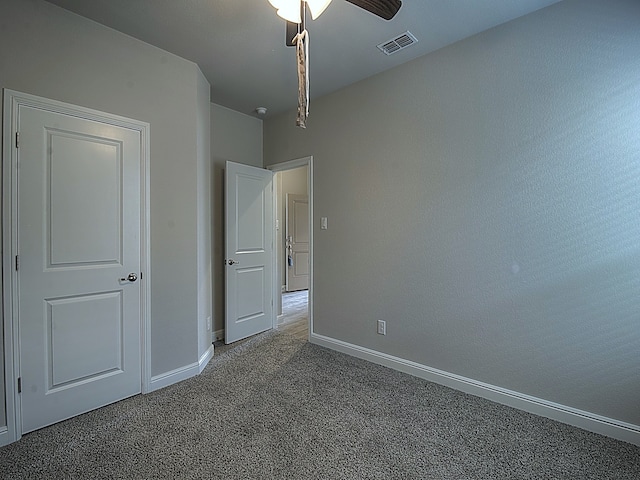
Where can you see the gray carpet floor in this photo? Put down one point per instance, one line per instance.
(277, 407)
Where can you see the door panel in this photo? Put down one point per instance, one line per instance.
(249, 247)
(250, 287)
(97, 319)
(98, 164)
(301, 267)
(249, 218)
(297, 231)
(78, 238)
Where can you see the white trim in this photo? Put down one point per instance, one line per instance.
(205, 358)
(279, 167)
(182, 373)
(9, 239)
(291, 164)
(579, 418)
(4, 436)
(174, 376)
(218, 335)
(11, 102)
(280, 319)
(145, 255)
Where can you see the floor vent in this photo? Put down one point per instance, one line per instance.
(398, 43)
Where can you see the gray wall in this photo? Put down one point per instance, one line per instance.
(50, 52)
(238, 138)
(486, 197)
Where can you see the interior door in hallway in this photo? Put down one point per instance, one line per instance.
(297, 238)
(249, 251)
(78, 208)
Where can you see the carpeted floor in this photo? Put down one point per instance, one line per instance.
(277, 407)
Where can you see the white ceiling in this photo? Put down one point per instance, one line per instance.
(239, 44)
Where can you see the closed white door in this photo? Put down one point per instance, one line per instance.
(249, 251)
(79, 263)
(297, 233)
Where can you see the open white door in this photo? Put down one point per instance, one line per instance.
(249, 250)
(297, 235)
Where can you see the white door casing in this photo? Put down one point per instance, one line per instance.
(277, 293)
(249, 250)
(297, 238)
(79, 230)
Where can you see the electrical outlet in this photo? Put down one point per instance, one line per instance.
(382, 327)
(209, 323)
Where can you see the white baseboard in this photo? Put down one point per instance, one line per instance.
(218, 335)
(4, 436)
(204, 359)
(174, 376)
(280, 319)
(182, 373)
(579, 418)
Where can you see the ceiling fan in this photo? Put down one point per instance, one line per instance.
(295, 12)
(289, 9)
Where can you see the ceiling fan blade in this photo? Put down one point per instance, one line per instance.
(386, 9)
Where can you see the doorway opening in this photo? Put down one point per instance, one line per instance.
(293, 246)
(295, 313)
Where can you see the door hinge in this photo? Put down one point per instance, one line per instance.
(17, 262)
(19, 384)
(17, 139)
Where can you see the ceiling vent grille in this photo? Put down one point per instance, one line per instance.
(398, 43)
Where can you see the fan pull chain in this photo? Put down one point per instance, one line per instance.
(302, 53)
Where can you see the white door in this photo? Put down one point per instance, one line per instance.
(249, 250)
(78, 241)
(297, 235)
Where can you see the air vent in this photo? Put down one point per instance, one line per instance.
(398, 43)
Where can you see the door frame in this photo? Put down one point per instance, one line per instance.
(280, 167)
(12, 101)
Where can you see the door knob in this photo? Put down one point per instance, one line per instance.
(232, 262)
(132, 277)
